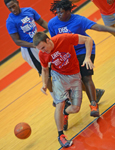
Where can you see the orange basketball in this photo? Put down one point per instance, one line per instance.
(22, 130)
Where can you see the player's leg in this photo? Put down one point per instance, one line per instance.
(84, 73)
(75, 96)
(89, 85)
(91, 93)
(59, 119)
(67, 104)
(99, 92)
(60, 95)
(90, 90)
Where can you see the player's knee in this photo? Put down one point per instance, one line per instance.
(86, 79)
(75, 109)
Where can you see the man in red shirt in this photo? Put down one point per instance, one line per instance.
(107, 10)
(65, 72)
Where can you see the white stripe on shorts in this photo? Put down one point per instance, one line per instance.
(27, 57)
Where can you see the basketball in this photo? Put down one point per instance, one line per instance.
(22, 130)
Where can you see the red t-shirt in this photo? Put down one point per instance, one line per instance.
(104, 7)
(63, 57)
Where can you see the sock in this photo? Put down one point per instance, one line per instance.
(93, 102)
(60, 132)
(65, 113)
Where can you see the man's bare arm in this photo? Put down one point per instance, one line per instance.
(15, 37)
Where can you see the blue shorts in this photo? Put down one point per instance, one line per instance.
(109, 20)
(67, 86)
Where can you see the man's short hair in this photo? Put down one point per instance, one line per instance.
(38, 37)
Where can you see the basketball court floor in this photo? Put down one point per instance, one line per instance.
(22, 101)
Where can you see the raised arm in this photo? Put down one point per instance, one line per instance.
(98, 27)
(88, 44)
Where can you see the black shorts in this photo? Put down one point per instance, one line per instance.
(83, 70)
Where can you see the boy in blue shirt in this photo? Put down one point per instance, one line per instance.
(21, 26)
(65, 22)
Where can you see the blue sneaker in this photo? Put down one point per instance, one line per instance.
(99, 94)
(94, 109)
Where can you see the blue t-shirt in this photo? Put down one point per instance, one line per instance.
(76, 24)
(23, 24)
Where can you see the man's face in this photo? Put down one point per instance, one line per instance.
(63, 15)
(13, 7)
(46, 46)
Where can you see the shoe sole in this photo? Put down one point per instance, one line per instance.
(102, 92)
(70, 144)
(94, 114)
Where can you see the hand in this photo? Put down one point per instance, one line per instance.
(110, 2)
(88, 63)
(43, 89)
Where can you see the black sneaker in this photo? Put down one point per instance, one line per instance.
(64, 142)
(94, 109)
(99, 94)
